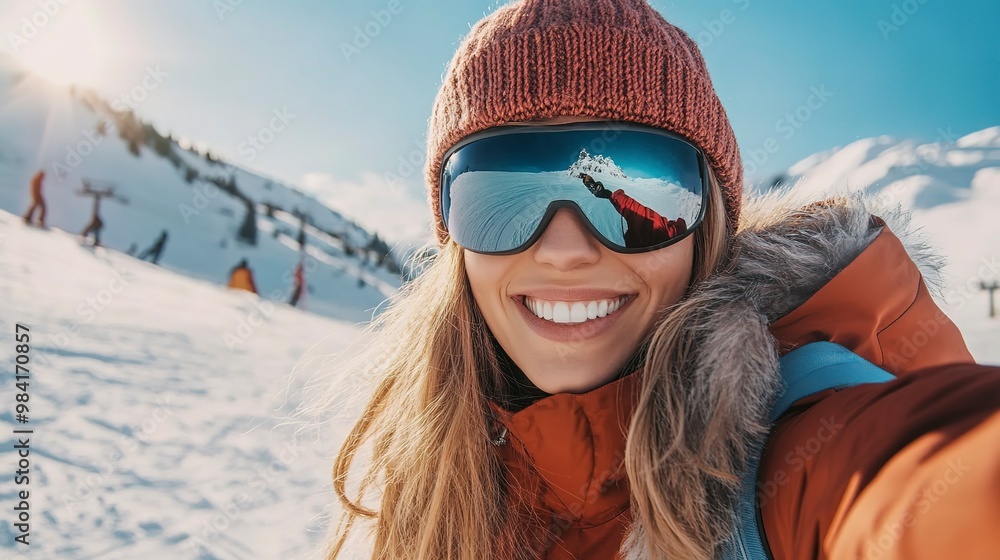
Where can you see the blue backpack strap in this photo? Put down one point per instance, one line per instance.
(805, 371)
(819, 366)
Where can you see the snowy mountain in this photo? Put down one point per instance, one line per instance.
(597, 167)
(952, 186)
(920, 176)
(215, 213)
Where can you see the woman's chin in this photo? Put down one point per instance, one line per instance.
(570, 378)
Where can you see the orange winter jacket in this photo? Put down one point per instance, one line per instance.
(242, 279)
(36, 186)
(906, 469)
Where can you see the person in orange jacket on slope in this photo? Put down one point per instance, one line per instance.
(549, 394)
(37, 200)
(241, 277)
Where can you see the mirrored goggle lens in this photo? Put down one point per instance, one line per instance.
(638, 189)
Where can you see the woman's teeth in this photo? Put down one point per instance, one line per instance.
(575, 311)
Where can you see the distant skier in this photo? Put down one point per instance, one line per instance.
(645, 226)
(155, 249)
(96, 224)
(37, 200)
(302, 232)
(299, 283)
(241, 277)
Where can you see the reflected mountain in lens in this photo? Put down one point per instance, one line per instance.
(595, 165)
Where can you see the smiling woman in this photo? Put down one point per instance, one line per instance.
(62, 44)
(551, 387)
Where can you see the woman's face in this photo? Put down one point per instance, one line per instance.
(568, 269)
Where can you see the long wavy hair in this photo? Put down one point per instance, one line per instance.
(427, 424)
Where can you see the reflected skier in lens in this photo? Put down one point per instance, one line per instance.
(645, 226)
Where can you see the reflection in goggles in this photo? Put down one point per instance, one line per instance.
(498, 210)
(645, 227)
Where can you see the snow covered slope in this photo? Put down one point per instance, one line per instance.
(953, 187)
(203, 204)
(157, 403)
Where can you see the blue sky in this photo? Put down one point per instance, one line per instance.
(809, 75)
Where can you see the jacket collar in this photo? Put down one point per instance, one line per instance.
(575, 445)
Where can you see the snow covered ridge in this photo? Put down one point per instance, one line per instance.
(215, 212)
(595, 166)
(918, 175)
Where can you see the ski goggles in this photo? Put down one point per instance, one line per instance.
(638, 188)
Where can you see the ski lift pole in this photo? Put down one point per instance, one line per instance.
(990, 287)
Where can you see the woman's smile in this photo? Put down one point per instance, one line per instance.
(562, 321)
(571, 305)
(573, 311)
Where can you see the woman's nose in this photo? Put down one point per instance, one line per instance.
(566, 242)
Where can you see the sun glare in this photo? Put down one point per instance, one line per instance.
(69, 47)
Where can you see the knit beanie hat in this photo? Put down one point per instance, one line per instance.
(607, 59)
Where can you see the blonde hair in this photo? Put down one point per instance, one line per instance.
(678, 457)
(443, 488)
